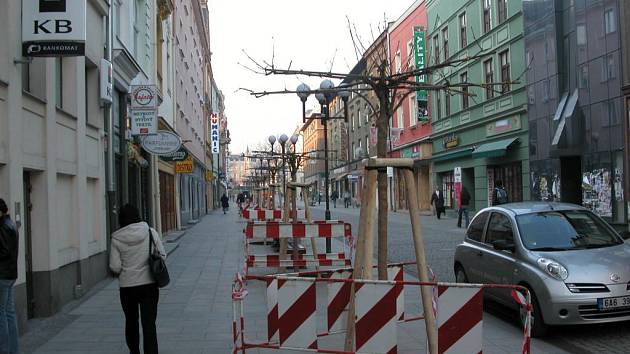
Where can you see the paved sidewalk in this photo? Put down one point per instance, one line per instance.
(195, 313)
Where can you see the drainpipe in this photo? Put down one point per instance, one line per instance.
(109, 118)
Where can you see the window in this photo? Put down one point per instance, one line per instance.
(462, 31)
(487, 16)
(608, 67)
(499, 229)
(610, 21)
(354, 123)
(580, 31)
(367, 145)
(489, 75)
(398, 62)
(438, 104)
(367, 114)
(504, 58)
(583, 76)
(359, 117)
(464, 78)
(475, 231)
(413, 111)
(399, 117)
(502, 11)
(436, 49)
(447, 104)
(445, 42)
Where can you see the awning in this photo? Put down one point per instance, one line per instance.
(341, 176)
(493, 149)
(453, 155)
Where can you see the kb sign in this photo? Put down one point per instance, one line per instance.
(53, 28)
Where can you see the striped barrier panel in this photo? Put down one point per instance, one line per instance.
(292, 311)
(460, 313)
(270, 214)
(272, 230)
(324, 260)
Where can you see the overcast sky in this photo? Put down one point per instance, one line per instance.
(307, 33)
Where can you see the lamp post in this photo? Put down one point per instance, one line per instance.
(283, 140)
(324, 98)
(272, 141)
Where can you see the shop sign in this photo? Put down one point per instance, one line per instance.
(143, 122)
(420, 60)
(144, 97)
(179, 155)
(214, 133)
(162, 143)
(53, 28)
(390, 171)
(185, 166)
(503, 126)
(457, 174)
(414, 152)
(209, 176)
(450, 141)
(107, 80)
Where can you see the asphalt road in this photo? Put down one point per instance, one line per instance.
(440, 238)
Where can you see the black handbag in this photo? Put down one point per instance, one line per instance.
(157, 265)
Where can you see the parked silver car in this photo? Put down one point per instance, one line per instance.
(575, 265)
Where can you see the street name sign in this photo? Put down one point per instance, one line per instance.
(53, 28)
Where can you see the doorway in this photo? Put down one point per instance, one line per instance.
(571, 179)
(28, 239)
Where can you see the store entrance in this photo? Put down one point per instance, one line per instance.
(571, 179)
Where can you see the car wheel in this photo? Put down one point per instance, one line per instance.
(539, 327)
(460, 275)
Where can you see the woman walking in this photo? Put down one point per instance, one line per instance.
(129, 259)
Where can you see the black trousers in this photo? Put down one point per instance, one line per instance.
(144, 298)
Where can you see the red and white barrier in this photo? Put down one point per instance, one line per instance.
(375, 326)
(296, 313)
(460, 320)
(338, 299)
(272, 230)
(270, 214)
(272, 309)
(323, 260)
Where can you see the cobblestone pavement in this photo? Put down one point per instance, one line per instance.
(441, 237)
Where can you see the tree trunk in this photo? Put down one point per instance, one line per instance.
(382, 125)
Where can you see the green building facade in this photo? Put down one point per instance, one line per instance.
(482, 130)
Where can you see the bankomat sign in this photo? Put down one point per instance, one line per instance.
(214, 133)
(52, 28)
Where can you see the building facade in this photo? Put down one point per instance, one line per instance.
(411, 125)
(313, 133)
(576, 105)
(481, 128)
(52, 165)
(192, 50)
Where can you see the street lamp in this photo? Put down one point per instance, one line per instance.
(303, 91)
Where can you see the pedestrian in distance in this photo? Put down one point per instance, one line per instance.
(225, 203)
(346, 199)
(129, 259)
(464, 199)
(437, 199)
(334, 196)
(8, 275)
(500, 194)
(319, 198)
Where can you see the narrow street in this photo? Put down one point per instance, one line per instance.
(194, 313)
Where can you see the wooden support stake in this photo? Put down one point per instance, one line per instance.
(307, 212)
(421, 262)
(364, 254)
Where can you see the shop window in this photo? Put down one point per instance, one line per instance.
(448, 188)
(511, 177)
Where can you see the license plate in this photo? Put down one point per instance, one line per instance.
(613, 302)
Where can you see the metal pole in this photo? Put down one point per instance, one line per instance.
(327, 215)
(109, 118)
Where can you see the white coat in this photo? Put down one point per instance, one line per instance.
(129, 255)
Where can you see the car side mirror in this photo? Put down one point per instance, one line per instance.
(625, 235)
(503, 245)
